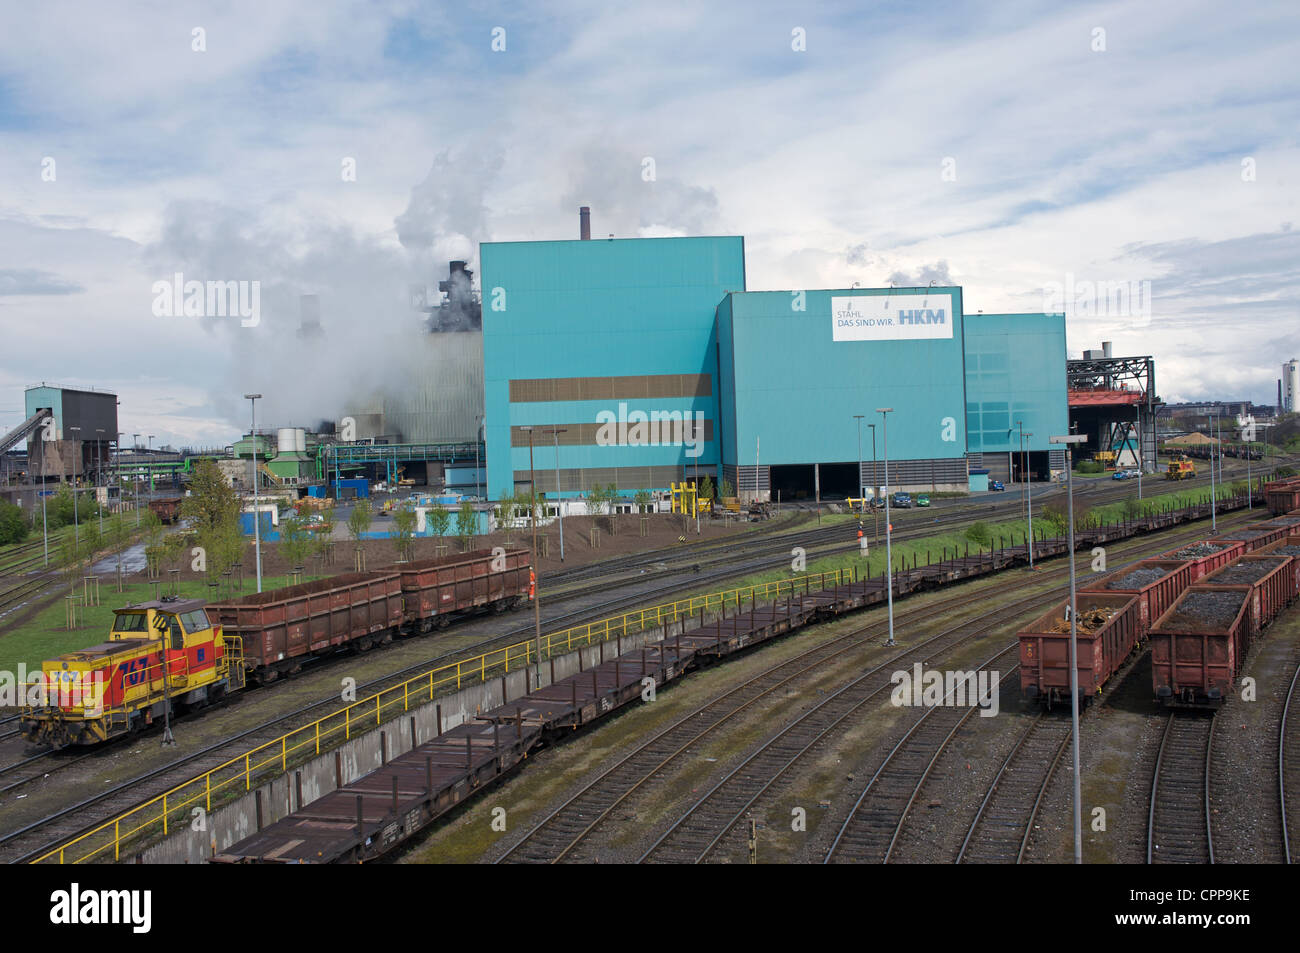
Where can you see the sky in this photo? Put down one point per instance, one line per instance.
(1134, 164)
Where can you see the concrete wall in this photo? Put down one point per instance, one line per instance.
(362, 754)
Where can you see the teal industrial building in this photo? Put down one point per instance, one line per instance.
(643, 362)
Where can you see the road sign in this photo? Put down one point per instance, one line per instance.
(45, 492)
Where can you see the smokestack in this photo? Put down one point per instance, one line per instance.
(584, 223)
(1105, 348)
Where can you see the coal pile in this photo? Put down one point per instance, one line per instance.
(1090, 619)
(1248, 534)
(1243, 573)
(1206, 611)
(1197, 550)
(1138, 578)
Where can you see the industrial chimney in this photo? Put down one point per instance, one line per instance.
(584, 223)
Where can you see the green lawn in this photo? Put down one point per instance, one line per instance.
(46, 636)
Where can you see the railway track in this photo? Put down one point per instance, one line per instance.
(559, 835)
(697, 832)
(1288, 768)
(871, 831)
(116, 797)
(1178, 822)
(1000, 831)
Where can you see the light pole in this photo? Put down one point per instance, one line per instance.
(537, 600)
(252, 453)
(45, 526)
(135, 477)
(76, 524)
(559, 506)
(1029, 495)
(861, 487)
(1214, 522)
(1070, 440)
(478, 438)
(1249, 450)
(150, 465)
(875, 488)
(99, 472)
(889, 554)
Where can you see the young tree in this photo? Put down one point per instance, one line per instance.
(13, 525)
(404, 523)
(118, 536)
(153, 541)
(359, 521)
(505, 515)
(642, 500)
(706, 488)
(466, 523)
(213, 504)
(323, 535)
(726, 491)
(439, 520)
(295, 541)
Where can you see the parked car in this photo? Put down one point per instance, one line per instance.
(1121, 474)
(996, 485)
(923, 500)
(902, 500)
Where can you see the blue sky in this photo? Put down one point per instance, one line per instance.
(1002, 146)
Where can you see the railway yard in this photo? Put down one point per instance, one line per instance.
(753, 716)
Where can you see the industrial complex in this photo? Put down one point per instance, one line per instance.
(642, 363)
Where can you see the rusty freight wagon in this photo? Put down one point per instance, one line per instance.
(1109, 626)
(1155, 582)
(1254, 536)
(1282, 496)
(1286, 547)
(1270, 580)
(283, 628)
(1205, 557)
(1198, 646)
(434, 589)
(167, 510)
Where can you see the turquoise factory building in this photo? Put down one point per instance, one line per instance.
(643, 362)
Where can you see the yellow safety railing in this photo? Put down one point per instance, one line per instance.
(175, 808)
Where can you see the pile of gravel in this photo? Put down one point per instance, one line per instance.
(1199, 611)
(1138, 579)
(1242, 573)
(1197, 550)
(1286, 551)
(1246, 534)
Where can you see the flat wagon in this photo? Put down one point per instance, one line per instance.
(1156, 583)
(1109, 627)
(434, 589)
(1198, 645)
(283, 628)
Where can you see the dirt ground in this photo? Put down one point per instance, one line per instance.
(581, 546)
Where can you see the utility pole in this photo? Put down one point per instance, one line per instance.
(559, 505)
(537, 586)
(889, 554)
(1069, 441)
(257, 516)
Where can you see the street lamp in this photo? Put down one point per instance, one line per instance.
(76, 524)
(1069, 441)
(478, 439)
(1027, 491)
(532, 515)
(135, 476)
(1214, 522)
(875, 489)
(99, 473)
(889, 553)
(559, 508)
(252, 454)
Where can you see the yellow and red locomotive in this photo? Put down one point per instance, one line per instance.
(160, 656)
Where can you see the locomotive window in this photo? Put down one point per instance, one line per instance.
(177, 636)
(196, 621)
(129, 622)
